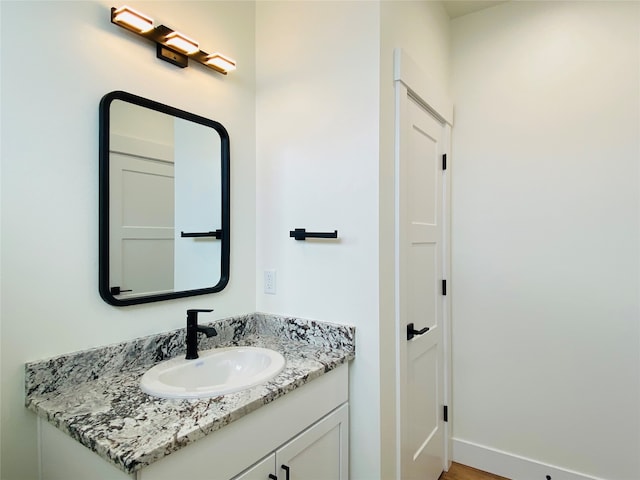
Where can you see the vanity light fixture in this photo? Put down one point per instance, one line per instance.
(173, 47)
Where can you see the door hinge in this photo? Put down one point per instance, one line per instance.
(444, 287)
(444, 161)
(445, 413)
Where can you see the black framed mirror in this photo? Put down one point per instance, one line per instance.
(164, 202)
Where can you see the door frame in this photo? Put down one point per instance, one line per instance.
(410, 79)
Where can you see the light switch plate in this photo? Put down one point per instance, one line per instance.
(270, 282)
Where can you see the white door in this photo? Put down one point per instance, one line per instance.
(420, 290)
(141, 225)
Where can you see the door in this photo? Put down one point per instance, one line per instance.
(420, 292)
(141, 224)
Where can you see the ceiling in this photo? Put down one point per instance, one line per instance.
(457, 8)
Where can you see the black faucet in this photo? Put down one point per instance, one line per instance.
(192, 333)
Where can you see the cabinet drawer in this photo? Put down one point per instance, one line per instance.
(261, 470)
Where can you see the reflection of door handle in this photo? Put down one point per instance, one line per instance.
(217, 234)
(412, 332)
(117, 291)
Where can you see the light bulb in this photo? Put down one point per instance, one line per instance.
(222, 62)
(133, 19)
(182, 42)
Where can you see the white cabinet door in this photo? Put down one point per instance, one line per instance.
(263, 470)
(319, 453)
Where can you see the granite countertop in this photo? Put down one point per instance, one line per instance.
(94, 395)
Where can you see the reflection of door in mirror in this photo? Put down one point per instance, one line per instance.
(142, 200)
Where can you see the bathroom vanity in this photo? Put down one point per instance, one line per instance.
(293, 426)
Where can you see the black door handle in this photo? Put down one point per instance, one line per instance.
(412, 332)
(272, 477)
(286, 471)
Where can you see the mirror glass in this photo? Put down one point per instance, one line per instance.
(164, 202)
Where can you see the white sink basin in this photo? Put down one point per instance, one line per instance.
(216, 372)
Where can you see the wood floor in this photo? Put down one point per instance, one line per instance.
(462, 472)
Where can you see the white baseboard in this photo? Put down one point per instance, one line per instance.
(509, 465)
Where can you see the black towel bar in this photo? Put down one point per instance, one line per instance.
(217, 234)
(302, 234)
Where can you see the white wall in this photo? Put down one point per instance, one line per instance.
(58, 60)
(198, 205)
(317, 167)
(545, 237)
(325, 161)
